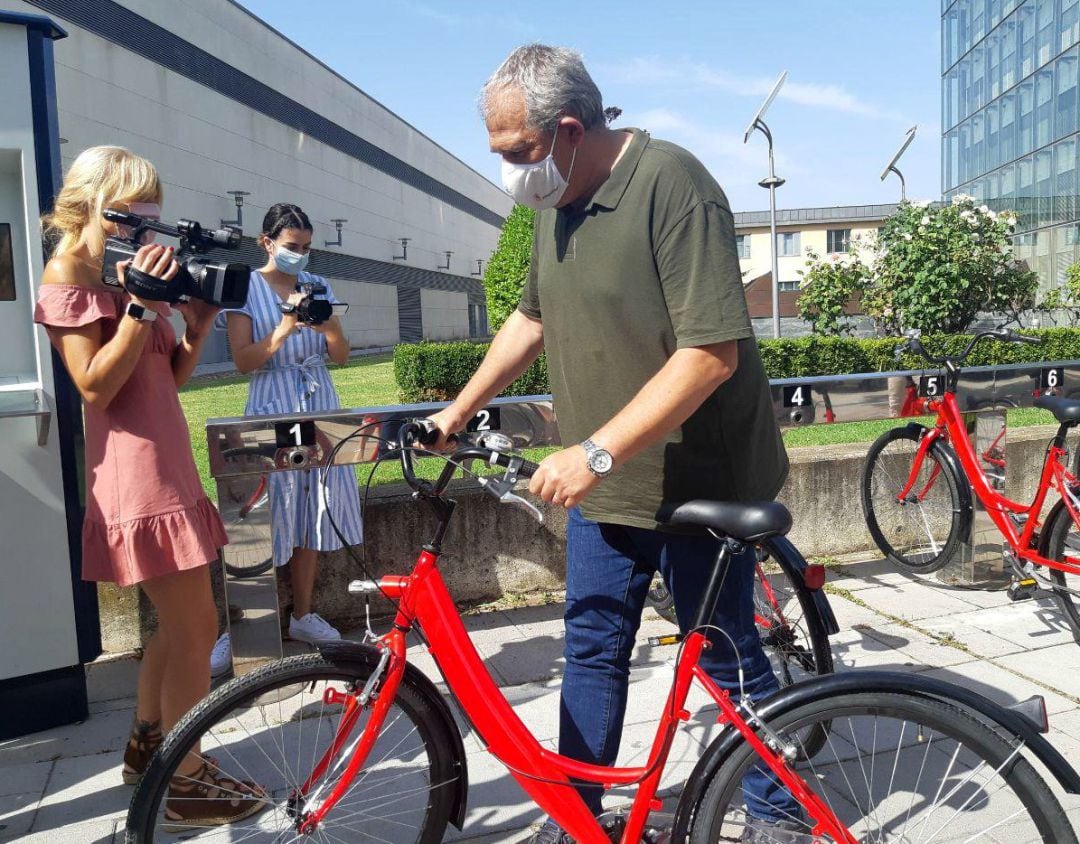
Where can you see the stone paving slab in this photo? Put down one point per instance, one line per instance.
(63, 785)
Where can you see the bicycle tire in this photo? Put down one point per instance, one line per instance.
(241, 750)
(1057, 538)
(879, 486)
(935, 729)
(262, 564)
(814, 654)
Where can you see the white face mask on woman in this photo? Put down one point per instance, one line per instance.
(289, 262)
(538, 185)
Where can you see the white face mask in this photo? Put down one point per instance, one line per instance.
(538, 185)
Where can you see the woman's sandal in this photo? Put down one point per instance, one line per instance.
(205, 798)
(146, 738)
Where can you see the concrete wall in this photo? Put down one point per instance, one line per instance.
(445, 314)
(205, 143)
(494, 550)
(372, 319)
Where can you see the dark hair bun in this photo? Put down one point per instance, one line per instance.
(283, 216)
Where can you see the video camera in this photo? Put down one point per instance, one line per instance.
(312, 311)
(222, 284)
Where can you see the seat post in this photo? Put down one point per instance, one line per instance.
(707, 607)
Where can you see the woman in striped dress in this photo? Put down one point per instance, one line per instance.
(287, 359)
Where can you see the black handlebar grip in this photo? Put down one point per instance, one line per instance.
(528, 468)
(1024, 338)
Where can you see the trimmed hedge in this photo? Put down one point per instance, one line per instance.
(438, 371)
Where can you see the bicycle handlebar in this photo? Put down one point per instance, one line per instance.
(913, 343)
(423, 432)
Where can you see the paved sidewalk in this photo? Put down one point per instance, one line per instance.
(64, 785)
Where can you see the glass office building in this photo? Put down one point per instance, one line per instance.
(1010, 119)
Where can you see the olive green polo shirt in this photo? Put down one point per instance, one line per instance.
(647, 267)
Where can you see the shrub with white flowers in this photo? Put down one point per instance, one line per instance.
(933, 268)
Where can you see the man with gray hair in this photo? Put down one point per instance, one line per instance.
(634, 291)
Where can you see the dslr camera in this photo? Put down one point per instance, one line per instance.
(310, 310)
(218, 283)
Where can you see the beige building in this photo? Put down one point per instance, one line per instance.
(822, 230)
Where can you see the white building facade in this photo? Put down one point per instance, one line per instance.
(221, 102)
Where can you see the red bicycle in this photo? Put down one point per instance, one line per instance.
(918, 481)
(354, 743)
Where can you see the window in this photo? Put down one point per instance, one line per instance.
(742, 245)
(1065, 98)
(787, 244)
(7, 265)
(787, 286)
(839, 240)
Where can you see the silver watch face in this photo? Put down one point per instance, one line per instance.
(600, 461)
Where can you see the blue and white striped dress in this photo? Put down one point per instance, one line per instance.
(295, 379)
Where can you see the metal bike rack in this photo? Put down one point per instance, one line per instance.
(301, 441)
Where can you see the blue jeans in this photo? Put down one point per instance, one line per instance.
(608, 571)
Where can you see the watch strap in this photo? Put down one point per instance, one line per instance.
(140, 313)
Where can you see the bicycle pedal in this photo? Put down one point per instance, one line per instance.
(670, 639)
(1023, 589)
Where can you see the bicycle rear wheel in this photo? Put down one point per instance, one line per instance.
(1062, 543)
(791, 628)
(245, 510)
(922, 531)
(274, 726)
(895, 769)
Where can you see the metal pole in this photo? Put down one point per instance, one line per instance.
(775, 256)
(772, 182)
(903, 186)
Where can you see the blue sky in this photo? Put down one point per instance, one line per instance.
(860, 73)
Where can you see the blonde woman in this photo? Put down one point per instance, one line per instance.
(148, 520)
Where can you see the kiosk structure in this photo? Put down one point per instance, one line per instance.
(48, 616)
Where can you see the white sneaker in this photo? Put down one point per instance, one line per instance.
(312, 628)
(221, 656)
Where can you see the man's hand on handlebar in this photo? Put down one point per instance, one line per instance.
(563, 478)
(449, 422)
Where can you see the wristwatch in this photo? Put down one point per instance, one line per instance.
(597, 459)
(139, 313)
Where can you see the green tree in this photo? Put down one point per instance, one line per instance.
(826, 288)
(1064, 301)
(933, 268)
(508, 268)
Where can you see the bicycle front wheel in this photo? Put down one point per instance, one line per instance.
(894, 769)
(921, 529)
(285, 728)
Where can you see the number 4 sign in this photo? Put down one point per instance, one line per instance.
(797, 395)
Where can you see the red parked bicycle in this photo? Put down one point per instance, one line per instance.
(918, 481)
(355, 744)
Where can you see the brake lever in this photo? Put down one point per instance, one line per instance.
(503, 489)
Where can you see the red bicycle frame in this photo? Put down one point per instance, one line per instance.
(950, 428)
(546, 776)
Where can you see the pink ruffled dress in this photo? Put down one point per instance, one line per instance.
(146, 512)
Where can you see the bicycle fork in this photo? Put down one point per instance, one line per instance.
(380, 688)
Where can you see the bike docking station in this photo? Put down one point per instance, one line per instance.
(246, 453)
(983, 393)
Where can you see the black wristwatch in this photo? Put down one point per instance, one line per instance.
(598, 460)
(139, 313)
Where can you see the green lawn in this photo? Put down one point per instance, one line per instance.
(369, 382)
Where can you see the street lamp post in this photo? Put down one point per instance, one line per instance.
(771, 182)
(891, 166)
